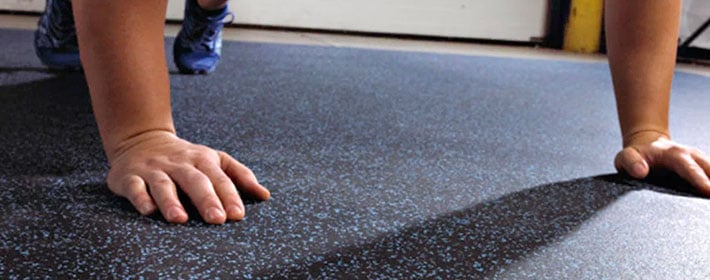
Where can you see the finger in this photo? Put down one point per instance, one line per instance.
(704, 162)
(685, 165)
(225, 189)
(198, 187)
(632, 162)
(133, 188)
(165, 195)
(243, 176)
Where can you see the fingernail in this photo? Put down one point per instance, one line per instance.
(173, 213)
(214, 214)
(146, 208)
(234, 211)
(638, 168)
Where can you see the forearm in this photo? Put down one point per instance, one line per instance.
(642, 43)
(122, 52)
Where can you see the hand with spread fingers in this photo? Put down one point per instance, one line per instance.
(122, 53)
(154, 165)
(638, 158)
(641, 45)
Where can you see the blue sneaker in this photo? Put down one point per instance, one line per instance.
(55, 39)
(198, 46)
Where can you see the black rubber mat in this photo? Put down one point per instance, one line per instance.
(382, 164)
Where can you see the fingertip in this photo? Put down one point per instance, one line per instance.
(146, 208)
(266, 194)
(704, 164)
(176, 215)
(235, 213)
(258, 192)
(214, 215)
(638, 170)
(704, 185)
(705, 191)
(143, 202)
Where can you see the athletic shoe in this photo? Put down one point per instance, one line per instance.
(55, 39)
(197, 48)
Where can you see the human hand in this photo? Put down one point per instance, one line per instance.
(655, 150)
(148, 168)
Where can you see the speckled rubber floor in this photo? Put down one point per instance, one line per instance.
(382, 165)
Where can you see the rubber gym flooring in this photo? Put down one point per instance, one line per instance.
(382, 164)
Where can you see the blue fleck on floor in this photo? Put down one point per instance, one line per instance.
(382, 164)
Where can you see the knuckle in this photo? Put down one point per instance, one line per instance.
(629, 154)
(203, 160)
(677, 150)
(208, 199)
(133, 182)
(135, 194)
(223, 181)
(202, 148)
(117, 175)
(693, 167)
(162, 181)
(193, 176)
(627, 150)
(182, 155)
(154, 161)
(168, 202)
(695, 151)
(223, 154)
(139, 198)
(115, 188)
(125, 186)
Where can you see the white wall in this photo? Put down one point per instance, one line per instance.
(516, 20)
(695, 13)
(22, 5)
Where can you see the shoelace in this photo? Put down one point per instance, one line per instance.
(206, 31)
(57, 26)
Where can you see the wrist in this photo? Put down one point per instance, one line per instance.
(118, 147)
(645, 136)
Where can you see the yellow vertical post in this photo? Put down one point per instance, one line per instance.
(584, 26)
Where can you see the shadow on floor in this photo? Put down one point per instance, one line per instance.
(47, 124)
(490, 235)
(48, 129)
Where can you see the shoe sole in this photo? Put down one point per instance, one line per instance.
(188, 71)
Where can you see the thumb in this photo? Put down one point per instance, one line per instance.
(631, 161)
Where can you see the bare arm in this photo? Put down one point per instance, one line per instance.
(642, 43)
(124, 60)
(121, 45)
